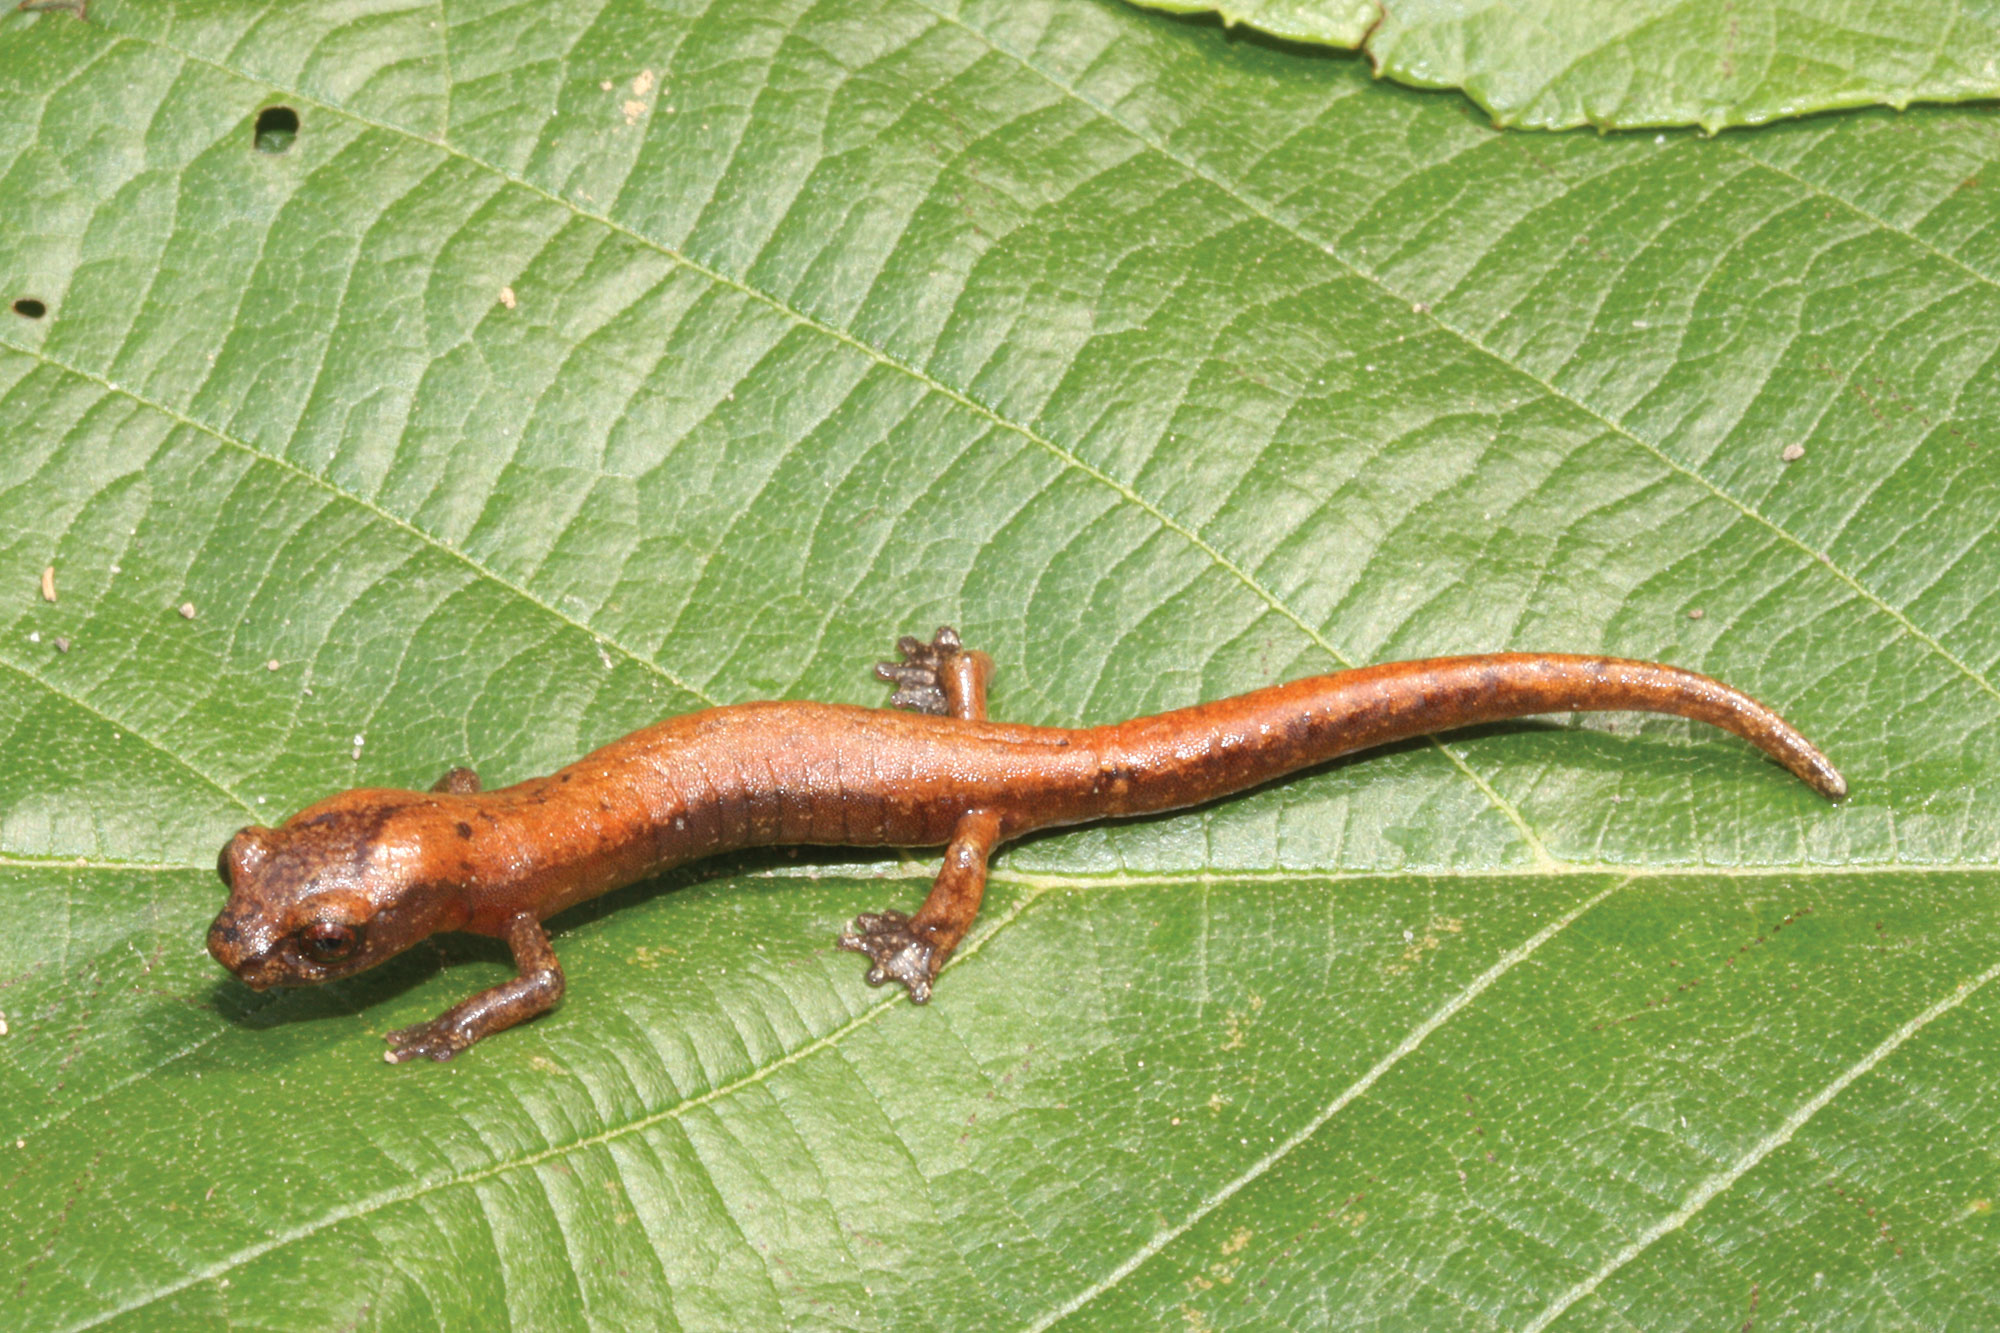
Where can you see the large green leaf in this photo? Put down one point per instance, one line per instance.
(576, 365)
(1555, 64)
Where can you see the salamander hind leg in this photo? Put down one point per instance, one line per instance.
(911, 949)
(458, 781)
(943, 676)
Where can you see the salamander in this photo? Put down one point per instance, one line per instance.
(362, 876)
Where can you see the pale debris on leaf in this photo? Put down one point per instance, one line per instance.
(49, 584)
(507, 297)
(635, 106)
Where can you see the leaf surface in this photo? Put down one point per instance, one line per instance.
(1626, 64)
(506, 411)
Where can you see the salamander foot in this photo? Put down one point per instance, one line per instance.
(920, 677)
(900, 953)
(435, 1040)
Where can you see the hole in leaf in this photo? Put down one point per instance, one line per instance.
(30, 308)
(277, 126)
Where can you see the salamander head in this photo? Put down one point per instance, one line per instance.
(339, 887)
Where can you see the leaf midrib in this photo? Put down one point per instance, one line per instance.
(1034, 892)
(1035, 885)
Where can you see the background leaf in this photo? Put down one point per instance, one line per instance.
(578, 365)
(1331, 22)
(1624, 64)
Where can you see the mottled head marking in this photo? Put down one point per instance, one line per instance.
(337, 888)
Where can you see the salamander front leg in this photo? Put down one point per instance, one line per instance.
(942, 676)
(458, 781)
(911, 949)
(535, 991)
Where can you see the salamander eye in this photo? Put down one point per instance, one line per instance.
(222, 865)
(330, 942)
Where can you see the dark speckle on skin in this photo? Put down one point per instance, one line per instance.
(464, 829)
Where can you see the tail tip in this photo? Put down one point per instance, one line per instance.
(1826, 779)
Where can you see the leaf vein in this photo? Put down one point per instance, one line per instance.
(1436, 1019)
(127, 729)
(374, 1203)
(1705, 1193)
(341, 492)
(1472, 340)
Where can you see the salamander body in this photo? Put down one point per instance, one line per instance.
(361, 876)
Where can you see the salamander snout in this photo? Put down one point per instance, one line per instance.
(248, 950)
(247, 936)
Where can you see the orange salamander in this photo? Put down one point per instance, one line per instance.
(362, 876)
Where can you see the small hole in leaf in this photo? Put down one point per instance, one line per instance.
(30, 308)
(277, 126)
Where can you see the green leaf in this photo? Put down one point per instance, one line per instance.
(1331, 22)
(1627, 64)
(574, 366)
